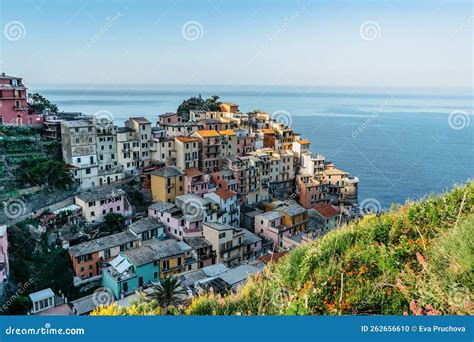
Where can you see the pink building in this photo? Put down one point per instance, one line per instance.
(252, 245)
(98, 203)
(13, 103)
(224, 179)
(245, 142)
(270, 225)
(195, 182)
(175, 222)
(4, 266)
(169, 118)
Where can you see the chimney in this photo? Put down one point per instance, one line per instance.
(3, 74)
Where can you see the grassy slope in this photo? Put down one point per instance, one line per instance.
(416, 259)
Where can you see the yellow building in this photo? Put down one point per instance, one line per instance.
(171, 256)
(229, 143)
(166, 184)
(295, 218)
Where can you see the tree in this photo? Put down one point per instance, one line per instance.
(197, 103)
(39, 103)
(169, 292)
(113, 223)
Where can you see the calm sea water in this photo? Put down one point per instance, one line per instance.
(402, 144)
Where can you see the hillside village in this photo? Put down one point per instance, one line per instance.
(208, 195)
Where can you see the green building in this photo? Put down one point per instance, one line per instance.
(131, 270)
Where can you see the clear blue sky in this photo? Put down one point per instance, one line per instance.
(417, 43)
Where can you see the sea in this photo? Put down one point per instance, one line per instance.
(402, 144)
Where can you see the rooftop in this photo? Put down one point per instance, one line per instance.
(101, 194)
(144, 224)
(207, 133)
(292, 210)
(224, 193)
(140, 119)
(186, 139)
(197, 242)
(193, 172)
(161, 206)
(40, 295)
(272, 215)
(165, 248)
(168, 171)
(102, 243)
(141, 255)
(250, 238)
(76, 123)
(221, 226)
(227, 132)
(325, 210)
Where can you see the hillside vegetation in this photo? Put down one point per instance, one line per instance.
(415, 260)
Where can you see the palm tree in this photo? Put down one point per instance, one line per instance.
(169, 292)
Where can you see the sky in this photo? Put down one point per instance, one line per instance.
(385, 43)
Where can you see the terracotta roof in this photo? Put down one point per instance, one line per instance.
(268, 131)
(224, 193)
(186, 139)
(208, 133)
(325, 210)
(192, 172)
(335, 171)
(227, 132)
(274, 257)
(303, 141)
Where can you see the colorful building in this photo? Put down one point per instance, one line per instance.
(87, 257)
(98, 203)
(4, 265)
(166, 184)
(226, 240)
(14, 103)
